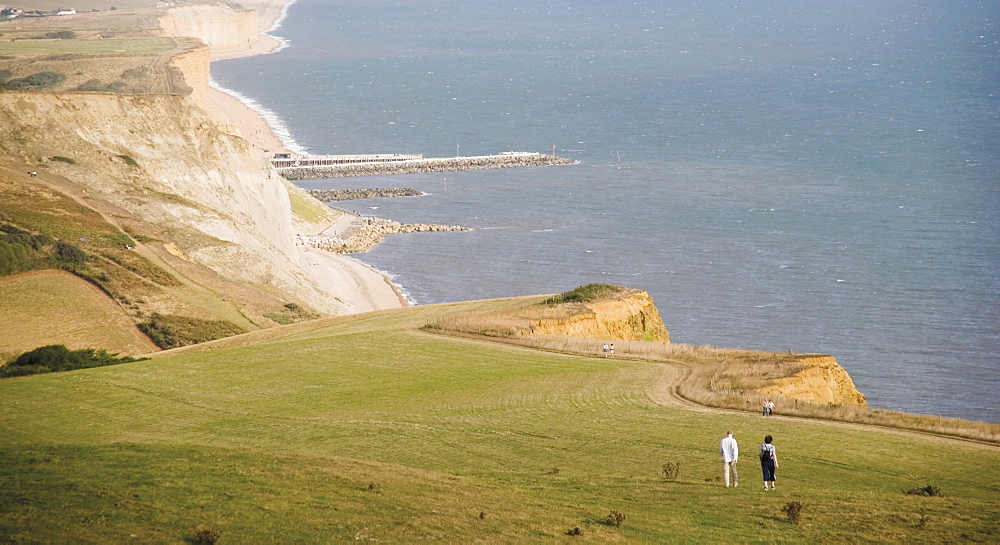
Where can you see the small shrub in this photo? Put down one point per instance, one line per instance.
(135, 73)
(671, 470)
(89, 86)
(70, 253)
(587, 294)
(61, 35)
(574, 532)
(40, 80)
(56, 357)
(374, 488)
(128, 161)
(61, 159)
(293, 307)
(793, 510)
(929, 490)
(207, 536)
(615, 518)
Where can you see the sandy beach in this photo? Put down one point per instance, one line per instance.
(359, 287)
(252, 126)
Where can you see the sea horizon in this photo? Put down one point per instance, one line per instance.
(831, 191)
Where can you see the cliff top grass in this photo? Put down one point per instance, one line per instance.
(363, 428)
(110, 47)
(82, 5)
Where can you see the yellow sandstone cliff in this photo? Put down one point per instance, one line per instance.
(220, 27)
(823, 381)
(633, 316)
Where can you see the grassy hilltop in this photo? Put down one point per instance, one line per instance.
(368, 428)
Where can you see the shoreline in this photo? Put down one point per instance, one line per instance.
(252, 122)
(367, 289)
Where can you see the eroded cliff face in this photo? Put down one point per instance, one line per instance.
(164, 162)
(192, 62)
(220, 27)
(823, 381)
(631, 317)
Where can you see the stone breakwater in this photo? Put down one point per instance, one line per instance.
(327, 195)
(515, 160)
(366, 232)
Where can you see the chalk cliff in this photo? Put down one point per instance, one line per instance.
(165, 164)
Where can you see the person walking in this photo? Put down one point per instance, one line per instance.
(768, 461)
(730, 452)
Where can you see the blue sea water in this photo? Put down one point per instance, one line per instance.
(814, 175)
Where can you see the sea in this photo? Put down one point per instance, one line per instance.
(810, 175)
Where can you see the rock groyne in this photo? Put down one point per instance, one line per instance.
(514, 160)
(366, 232)
(327, 195)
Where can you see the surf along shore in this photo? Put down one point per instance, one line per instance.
(322, 244)
(349, 279)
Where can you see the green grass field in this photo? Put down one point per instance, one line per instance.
(111, 47)
(365, 429)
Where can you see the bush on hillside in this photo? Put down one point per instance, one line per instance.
(70, 253)
(173, 331)
(588, 294)
(56, 357)
(21, 251)
(929, 490)
(40, 80)
(135, 73)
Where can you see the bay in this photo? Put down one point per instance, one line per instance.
(818, 176)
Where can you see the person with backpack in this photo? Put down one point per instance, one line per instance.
(768, 461)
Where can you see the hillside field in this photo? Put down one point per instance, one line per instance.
(34, 302)
(365, 428)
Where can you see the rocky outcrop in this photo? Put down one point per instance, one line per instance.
(327, 195)
(633, 316)
(366, 232)
(822, 381)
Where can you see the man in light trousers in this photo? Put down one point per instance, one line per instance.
(730, 452)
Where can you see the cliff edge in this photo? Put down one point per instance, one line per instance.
(823, 381)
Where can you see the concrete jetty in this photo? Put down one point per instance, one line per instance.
(332, 166)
